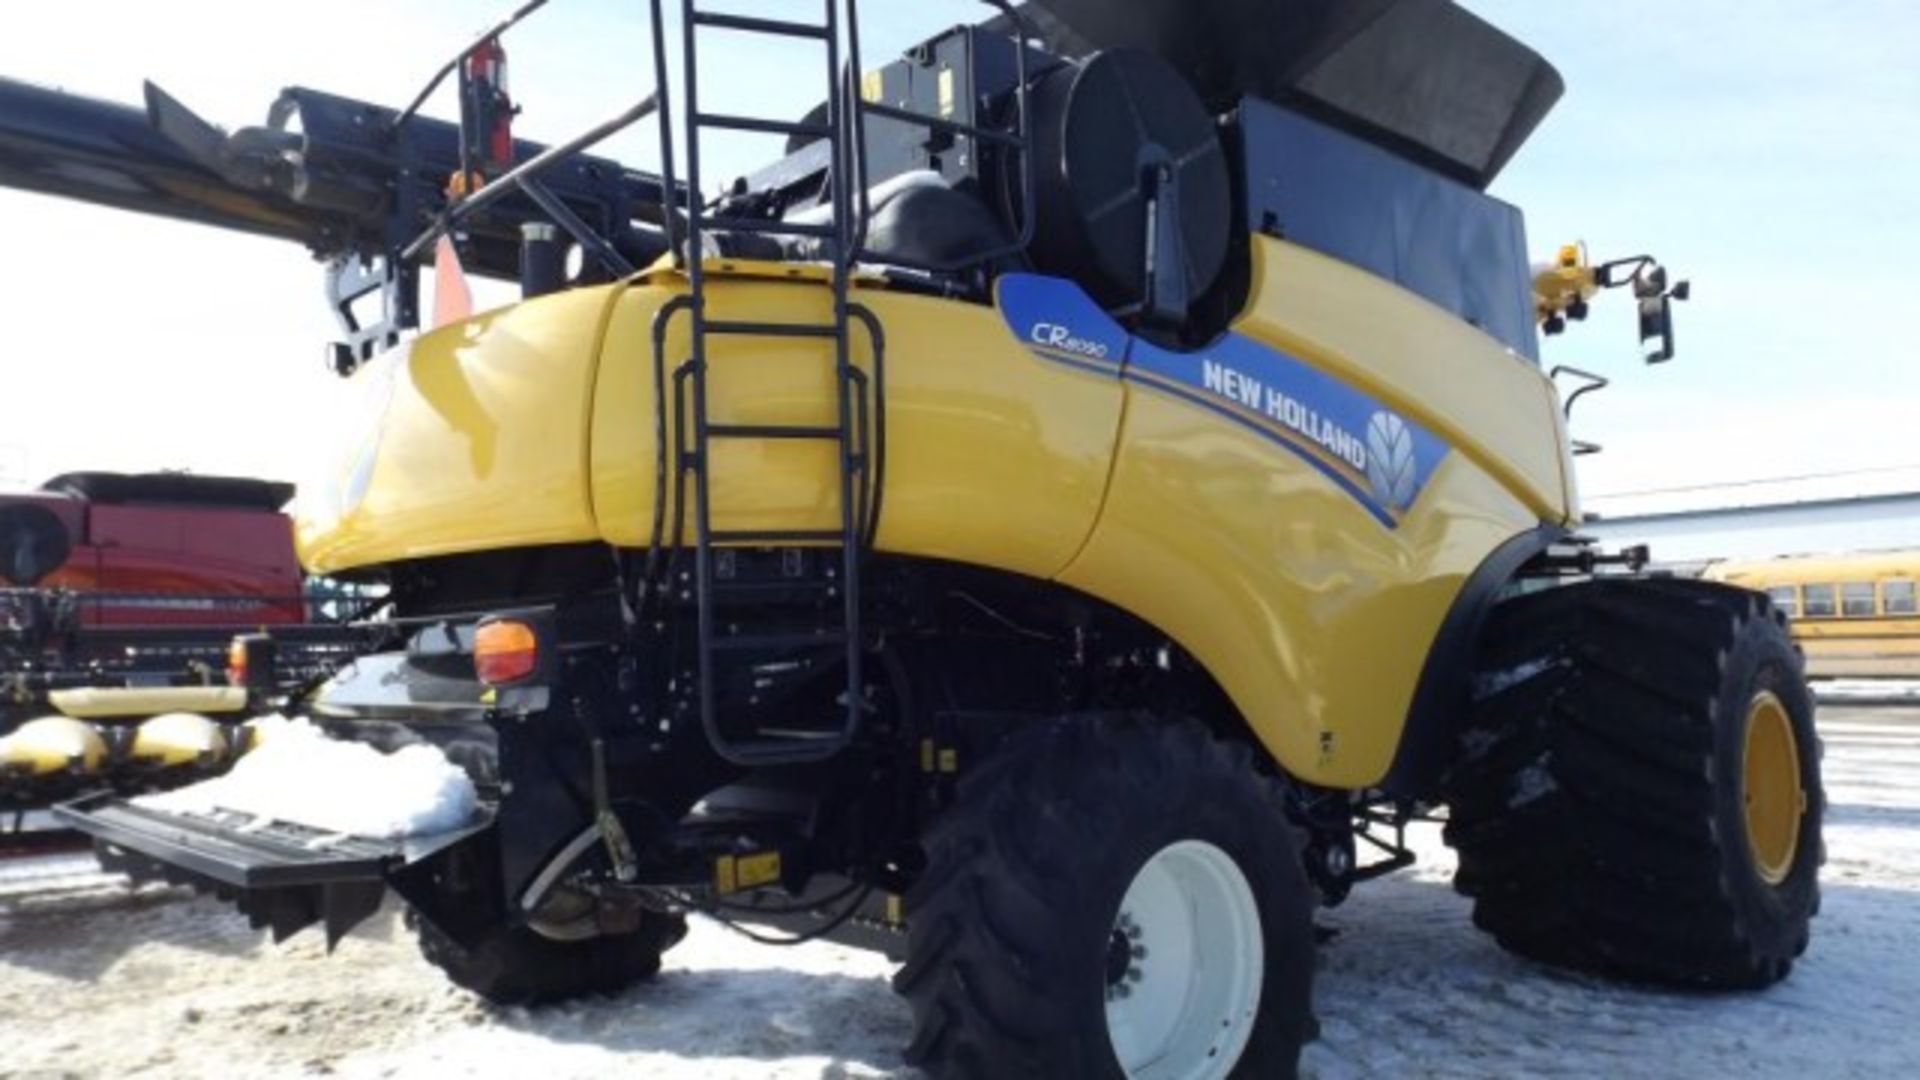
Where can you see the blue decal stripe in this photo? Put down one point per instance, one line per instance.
(1268, 425)
(1058, 323)
(1109, 369)
(1361, 495)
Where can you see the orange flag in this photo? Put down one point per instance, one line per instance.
(452, 297)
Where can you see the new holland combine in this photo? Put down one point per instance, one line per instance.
(1049, 524)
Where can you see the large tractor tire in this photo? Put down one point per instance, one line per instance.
(1108, 897)
(1638, 793)
(518, 966)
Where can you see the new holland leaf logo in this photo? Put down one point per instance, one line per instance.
(1390, 464)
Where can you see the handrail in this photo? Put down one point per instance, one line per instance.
(522, 176)
(669, 184)
(1593, 382)
(1021, 142)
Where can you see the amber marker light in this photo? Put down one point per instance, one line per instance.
(505, 651)
(237, 662)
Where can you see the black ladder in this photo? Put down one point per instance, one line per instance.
(849, 431)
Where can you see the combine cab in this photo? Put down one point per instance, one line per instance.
(1047, 523)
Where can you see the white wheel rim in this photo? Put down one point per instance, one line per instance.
(1185, 962)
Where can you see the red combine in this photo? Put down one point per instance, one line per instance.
(119, 598)
(164, 549)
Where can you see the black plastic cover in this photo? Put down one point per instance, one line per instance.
(1425, 78)
(930, 224)
(1329, 191)
(174, 489)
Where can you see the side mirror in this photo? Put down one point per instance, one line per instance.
(1656, 310)
(1561, 290)
(1656, 324)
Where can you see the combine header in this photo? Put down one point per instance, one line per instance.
(1048, 523)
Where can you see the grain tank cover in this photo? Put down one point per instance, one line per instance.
(1424, 78)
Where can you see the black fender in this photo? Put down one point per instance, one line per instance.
(1444, 693)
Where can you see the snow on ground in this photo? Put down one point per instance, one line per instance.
(97, 980)
(1867, 691)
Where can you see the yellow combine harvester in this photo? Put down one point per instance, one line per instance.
(1048, 525)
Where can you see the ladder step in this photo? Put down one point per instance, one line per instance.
(770, 329)
(802, 622)
(749, 24)
(771, 752)
(779, 590)
(776, 536)
(770, 642)
(764, 126)
(772, 431)
(770, 227)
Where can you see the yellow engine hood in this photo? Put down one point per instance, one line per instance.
(1199, 509)
(473, 437)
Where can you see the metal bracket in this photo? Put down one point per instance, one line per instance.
(619, 845)
(1585, 558)
(1167, 299)
(351, 278)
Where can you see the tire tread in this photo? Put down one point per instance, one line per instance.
(1587, 808)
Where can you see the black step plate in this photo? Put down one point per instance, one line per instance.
(245, 851)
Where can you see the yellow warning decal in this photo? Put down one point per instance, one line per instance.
(946, 93)
(734, 873)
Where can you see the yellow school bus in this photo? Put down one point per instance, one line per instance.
(1853, 615)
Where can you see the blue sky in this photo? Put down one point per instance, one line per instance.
(1768, 150)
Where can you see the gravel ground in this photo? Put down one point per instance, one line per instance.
(101, 979)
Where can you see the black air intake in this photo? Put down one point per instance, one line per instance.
(1112, 136)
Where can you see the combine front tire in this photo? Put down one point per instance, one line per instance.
(1111, 897)
(1639, 790)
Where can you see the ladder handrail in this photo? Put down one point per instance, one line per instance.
(695, 430)
(524, 177)
(661, 82)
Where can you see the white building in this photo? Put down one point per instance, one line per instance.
(1802, 516)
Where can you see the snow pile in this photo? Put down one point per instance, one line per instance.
(298, 774)
(1867, 690)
